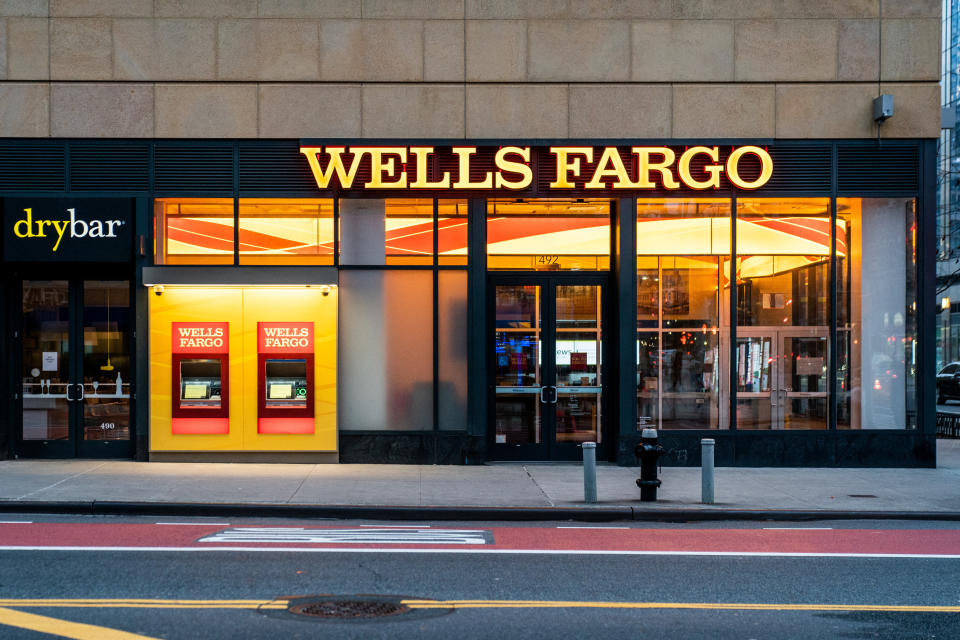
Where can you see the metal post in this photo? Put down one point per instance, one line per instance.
(589, 472)
(706, 470)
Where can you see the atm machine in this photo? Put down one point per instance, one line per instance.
(285, 402)
(200, 386)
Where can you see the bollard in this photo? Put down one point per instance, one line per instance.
(706, 470)
(589, 472)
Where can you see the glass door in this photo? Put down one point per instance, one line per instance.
(782, 378)
(76, 368)
(546, 363)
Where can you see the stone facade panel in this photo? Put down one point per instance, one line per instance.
(825, 111)
(206, 111)
(375, 50)
(309, 111)
(912, 8)
(786, 50)
(410, 111)
(101, 8)
(682, 51)
(25, 8)
(517, 111)
(28, 55)
(916, 111)
(911, 50)
(513, 9)
(443, 50)
(267, 50)
(310, 9)
(859, 53)
(166, 49)
(421, 9)
(101, 110)
(80, 49)
(769, 9)
(24, 110)
(620, 111)
(723, 111)
(205, 9)
(496, 50)
(583, 50)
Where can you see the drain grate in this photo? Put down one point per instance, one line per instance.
(350, 609)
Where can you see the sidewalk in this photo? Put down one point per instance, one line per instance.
(498, 491)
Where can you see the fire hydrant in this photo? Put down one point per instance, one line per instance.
(649, 450)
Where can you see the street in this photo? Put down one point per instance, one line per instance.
(138, 577)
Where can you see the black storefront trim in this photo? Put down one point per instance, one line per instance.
(275, 168)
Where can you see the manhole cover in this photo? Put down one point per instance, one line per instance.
(358, 608)
(350, 609)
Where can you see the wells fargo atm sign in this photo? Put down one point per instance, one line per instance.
(559, 169)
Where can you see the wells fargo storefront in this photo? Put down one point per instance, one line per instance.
(367, 301)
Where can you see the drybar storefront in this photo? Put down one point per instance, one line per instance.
(429, 302)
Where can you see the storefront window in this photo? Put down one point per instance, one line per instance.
(452, 232)
(783, 313)
(452, 349)
(386, 232)
(193, 231)
(877, 313)
(386, 350)
(287, 231)
(548, 235)
(681, 244)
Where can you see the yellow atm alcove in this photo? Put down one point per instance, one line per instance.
(187, 321)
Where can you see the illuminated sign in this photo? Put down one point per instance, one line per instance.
(62, 229)
(201, 337)
(284, 337)
(574, 167)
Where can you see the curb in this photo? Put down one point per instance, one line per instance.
(511, 514)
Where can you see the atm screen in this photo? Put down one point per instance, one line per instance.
(200, 383)
(286, 383)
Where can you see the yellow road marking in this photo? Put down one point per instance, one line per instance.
(735, 606)
(63, 628)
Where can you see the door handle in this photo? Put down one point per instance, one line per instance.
(80, 399)
(554, 400)
(69, 399)
(774, 397)
(542, 399)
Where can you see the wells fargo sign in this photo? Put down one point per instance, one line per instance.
(516, 168)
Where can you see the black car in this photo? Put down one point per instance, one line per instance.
(948, 383)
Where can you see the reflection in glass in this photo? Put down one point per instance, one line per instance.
(193, 230)
(107, 372)
(452, 232)
(452, 348)
(286, 231)
(518, 369)
(877, 307)
(46, 372)
(578, 363)
(548, 235)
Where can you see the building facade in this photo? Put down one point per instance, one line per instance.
(462, 231)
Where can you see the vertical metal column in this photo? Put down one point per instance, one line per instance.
(476, 317)
(625, 261)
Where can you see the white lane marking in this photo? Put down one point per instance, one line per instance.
(400, 526)
(798, 528)
(194, 524)
(16, 521)
(392, 535)
(593, 527)
(592, 552)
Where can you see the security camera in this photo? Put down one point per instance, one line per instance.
(325, 290)
(158, 289)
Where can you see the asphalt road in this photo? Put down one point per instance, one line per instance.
(546, 590)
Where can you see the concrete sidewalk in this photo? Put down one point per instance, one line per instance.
(493, 491)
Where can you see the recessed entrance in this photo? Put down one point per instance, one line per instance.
(75, 368)
(547, 361)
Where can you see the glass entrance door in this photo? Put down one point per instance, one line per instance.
(782, 378)
(547, 364)
(76, 370)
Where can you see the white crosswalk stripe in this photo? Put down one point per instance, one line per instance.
(399, 535)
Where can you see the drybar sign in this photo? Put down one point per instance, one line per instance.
(62, 230)
(566, 168)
